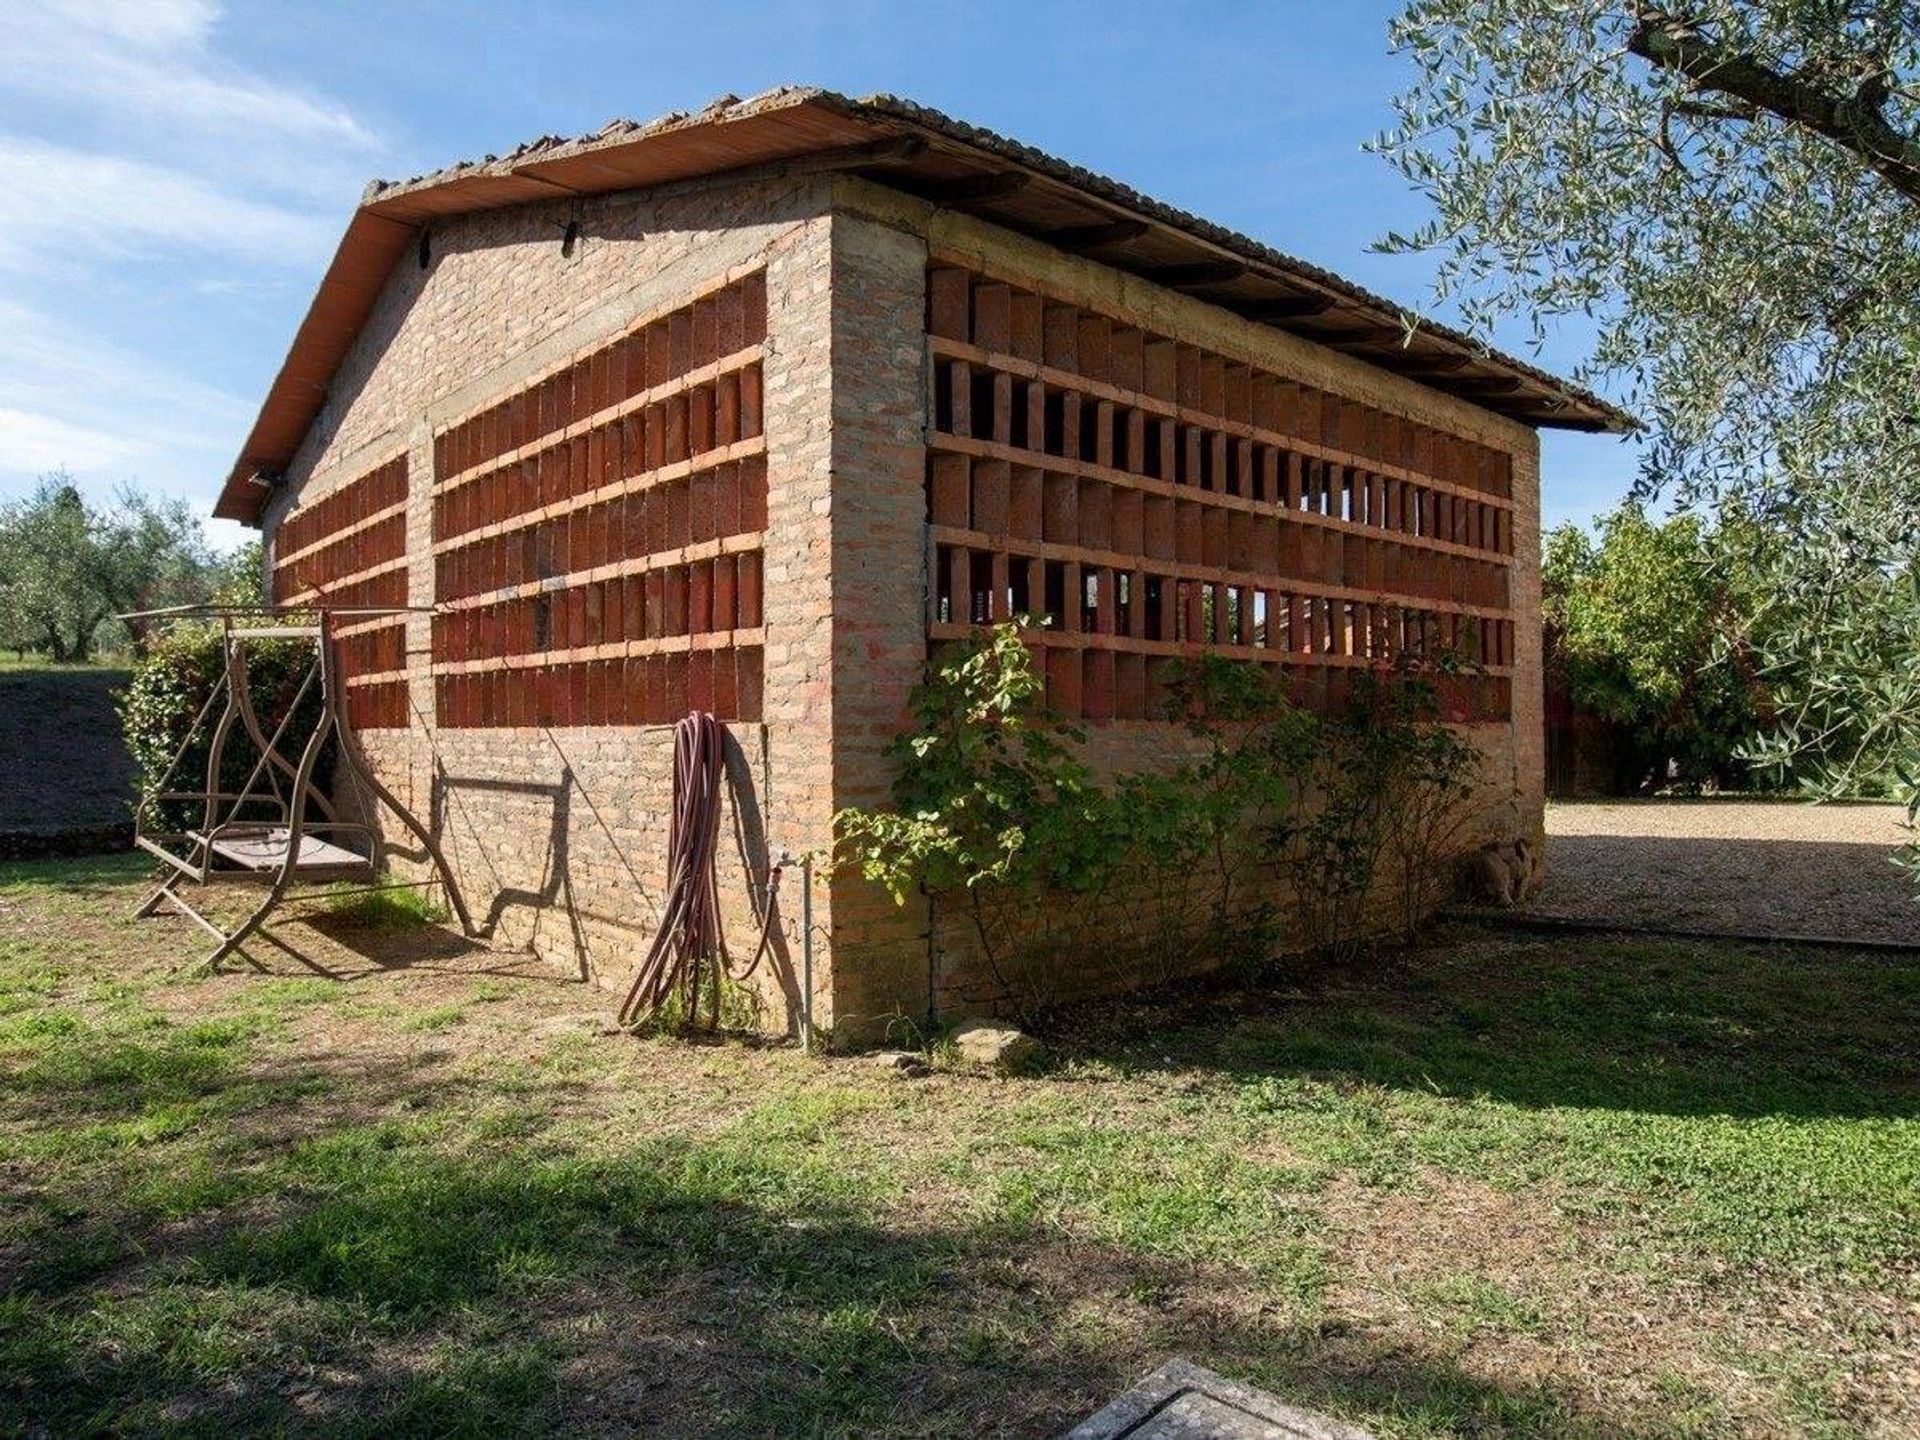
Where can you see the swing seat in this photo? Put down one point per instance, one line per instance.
(262, 850)
(290, 853)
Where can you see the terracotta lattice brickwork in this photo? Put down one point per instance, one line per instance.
(1150, 497)
(597, 537)
(347, 549)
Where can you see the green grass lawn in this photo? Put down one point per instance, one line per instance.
(1500, 1185)
(15, 663)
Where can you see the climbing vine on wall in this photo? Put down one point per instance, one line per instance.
(996, 811)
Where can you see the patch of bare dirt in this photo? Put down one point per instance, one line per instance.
(1517, 1294)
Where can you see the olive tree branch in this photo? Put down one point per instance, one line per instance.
(1857, 122)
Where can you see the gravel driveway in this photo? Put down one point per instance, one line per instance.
(1757, 867)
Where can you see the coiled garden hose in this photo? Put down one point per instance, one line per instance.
(690, 952)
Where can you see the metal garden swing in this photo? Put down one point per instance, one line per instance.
(279, 829)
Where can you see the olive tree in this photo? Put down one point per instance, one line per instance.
(67, 567)
(1729, 190)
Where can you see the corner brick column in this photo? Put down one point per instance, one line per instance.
(1529, 701)
(878, 590)
(415, 769)
(799, 677)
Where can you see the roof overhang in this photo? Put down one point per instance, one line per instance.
(923, 153)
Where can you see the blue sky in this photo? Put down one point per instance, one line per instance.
(174, 173)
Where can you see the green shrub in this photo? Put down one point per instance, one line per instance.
(1643, 621)
(167, 692)
(992, 805)
(1388, 785)
(1195, 828)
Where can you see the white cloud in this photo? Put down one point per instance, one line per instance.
(155, 64)
(141, 134)
(47, 361)
(142, 22)
(142, 160)
(32, 444)
(56, 201)
(74, 399)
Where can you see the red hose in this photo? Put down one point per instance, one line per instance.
(691, 943)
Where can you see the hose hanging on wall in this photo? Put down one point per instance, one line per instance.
(691, 949)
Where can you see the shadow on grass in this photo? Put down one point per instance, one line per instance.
(251, 1243)
(387, 1285)
(375, 947)
(357, 945)
(196, 1237)
(199, 1075)
(1624, 1023)
(379, 948)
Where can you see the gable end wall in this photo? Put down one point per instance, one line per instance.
(558, 833)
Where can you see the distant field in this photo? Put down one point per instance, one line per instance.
(10, 661)
(63, 765)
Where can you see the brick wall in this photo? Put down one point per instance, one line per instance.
(597, 534)
(552, 803)
(1141, 496)
(551, 796)
(878, 581)
(1347, 514)
(349, 549)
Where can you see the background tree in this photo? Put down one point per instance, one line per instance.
(238, 577)
(1638, 616)
(67, 567)
(1730, 191)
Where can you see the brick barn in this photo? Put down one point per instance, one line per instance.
(744, 410)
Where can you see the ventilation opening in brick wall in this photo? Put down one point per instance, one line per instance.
(598, 535)
(347, 550)
(1149, 497)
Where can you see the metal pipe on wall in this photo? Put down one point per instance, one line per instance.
(806, 954)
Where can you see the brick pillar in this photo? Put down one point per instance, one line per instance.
(879, 586)
(1529, 721)
(413, 775)
(797, 594)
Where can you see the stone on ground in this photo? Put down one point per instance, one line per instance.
(996, 1046)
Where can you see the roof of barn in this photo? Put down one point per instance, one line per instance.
(922, 152)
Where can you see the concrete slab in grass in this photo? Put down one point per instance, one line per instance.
(1183, 1401)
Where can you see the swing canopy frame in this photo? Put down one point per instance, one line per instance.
(280, 829)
